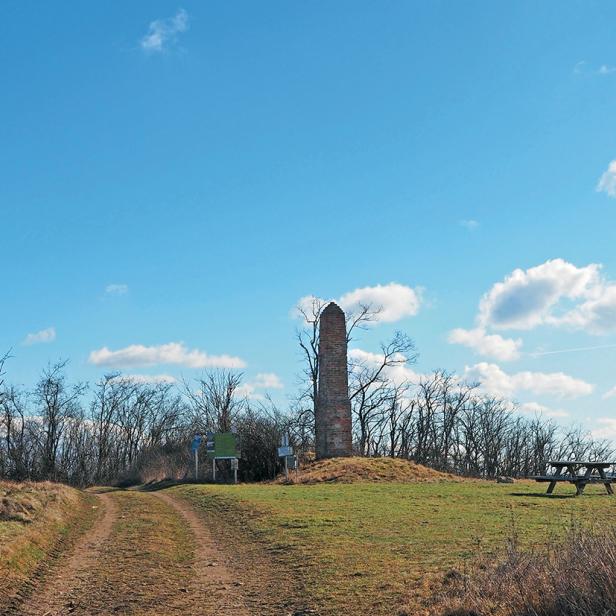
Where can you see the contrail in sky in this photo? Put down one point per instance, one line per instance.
(592, 348)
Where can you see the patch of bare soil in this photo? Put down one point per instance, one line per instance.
(356, 469)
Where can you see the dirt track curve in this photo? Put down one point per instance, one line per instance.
(148, 554)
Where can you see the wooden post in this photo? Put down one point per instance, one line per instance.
(606, 483)
(558, 473)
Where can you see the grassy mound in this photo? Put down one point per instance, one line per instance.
(34, 520)
(356, 469)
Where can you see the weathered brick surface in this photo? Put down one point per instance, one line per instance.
(333, 408)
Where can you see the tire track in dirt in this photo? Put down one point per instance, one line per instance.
(70, 573)
(213, 588)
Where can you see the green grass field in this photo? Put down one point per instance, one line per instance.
(376, 548)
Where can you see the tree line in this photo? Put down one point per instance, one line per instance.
(128, 429)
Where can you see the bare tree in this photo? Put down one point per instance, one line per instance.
(216, 401)
(58, 403)
(376, 383)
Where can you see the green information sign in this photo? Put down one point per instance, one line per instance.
(226, 445)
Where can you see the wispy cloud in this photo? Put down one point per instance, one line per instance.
(579, 67)
(470, 225)
(263, 381)
(146, 379)
(610, 394)
(534, 408)
(574, 350)
(138, 355)
(45, 335)
(607, 429)
(586, 68)
(163, 33)
(116, 289)
(268, 380)
(607, 181)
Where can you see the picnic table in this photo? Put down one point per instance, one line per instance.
(573, 472)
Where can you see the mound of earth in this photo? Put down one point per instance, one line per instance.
(356, 469)
(24, 502)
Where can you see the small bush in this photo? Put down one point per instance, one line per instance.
(572, 577)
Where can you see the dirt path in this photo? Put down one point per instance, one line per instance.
(213, 586)
(147, 554)
(71, 572)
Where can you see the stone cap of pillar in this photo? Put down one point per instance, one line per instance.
(333, 307)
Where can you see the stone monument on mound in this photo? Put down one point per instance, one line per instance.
(333, 433)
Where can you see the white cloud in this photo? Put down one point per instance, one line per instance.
(495, 380)
(471, 224)
(394, 302)
(534, 408)
(164, 32)
(147, 378)
(555, 293)
(116, 289)
(596, 315)
(610, 394)
(263, 380)
(490, 345)
(607, 429)
(526, 298)
(398, 373)
(607, 182)
(171, 353)
(268, 380)
(45, 335)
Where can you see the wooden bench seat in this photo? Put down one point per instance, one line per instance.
(570, 479)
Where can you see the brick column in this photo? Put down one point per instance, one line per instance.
(333, 408)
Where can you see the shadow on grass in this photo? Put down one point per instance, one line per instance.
(102, 489)
(543, 495)
(155, 486)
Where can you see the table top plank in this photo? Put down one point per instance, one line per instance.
(581, 463)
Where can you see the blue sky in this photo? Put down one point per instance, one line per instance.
(178, 176)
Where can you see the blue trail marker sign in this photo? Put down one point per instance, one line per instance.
(195, 447)
(196, 442)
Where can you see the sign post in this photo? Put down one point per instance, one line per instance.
(284, 451)
(195, 447)
(223, 446)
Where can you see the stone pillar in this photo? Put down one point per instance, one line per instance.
(333, 408)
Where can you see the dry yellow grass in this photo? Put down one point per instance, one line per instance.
(356, 469)
(34, 520)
